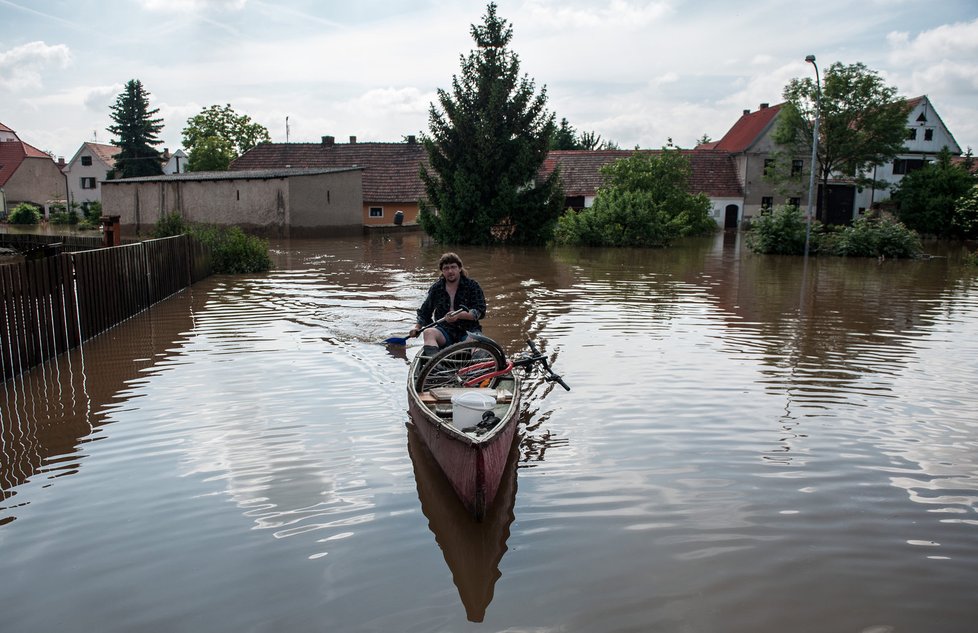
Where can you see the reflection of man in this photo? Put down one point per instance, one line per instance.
(453, 290)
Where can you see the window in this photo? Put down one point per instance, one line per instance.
(87, 183)
(796, 166)
(912, 134)
(86, 161)
(766, 203)
(795, 202)
(929, 134)
(768, 166)
(376, 212)
(902, 166)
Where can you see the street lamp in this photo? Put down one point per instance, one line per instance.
(811, 182)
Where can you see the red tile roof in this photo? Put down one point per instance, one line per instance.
(4, 128)
(390, 174)
(12, 154)
(105, 152)
(748, 129)
(713, 171)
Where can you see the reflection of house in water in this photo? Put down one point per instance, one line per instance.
(854, 317)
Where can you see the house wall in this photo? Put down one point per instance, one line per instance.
(37, 180)
(918, 148)
(326, 200)
(76, 171)
(410, 209)
(271, 206)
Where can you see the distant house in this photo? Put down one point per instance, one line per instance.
(28, 175)
(87, 170)
(750, 141)
(276, 202)
(175, 163)
(713, 174)
(391, 181)
(926, 137)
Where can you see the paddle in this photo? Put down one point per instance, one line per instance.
(397, 340)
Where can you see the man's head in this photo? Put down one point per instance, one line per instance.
(451, 267)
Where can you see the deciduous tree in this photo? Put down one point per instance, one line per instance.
(218, 135)
(137, 131)
(488, 138)
(862, 122)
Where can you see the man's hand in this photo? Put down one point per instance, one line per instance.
(414, 331)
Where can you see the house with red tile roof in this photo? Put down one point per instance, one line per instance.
(28, 175)
(713, 173)
(750, 143)
(392, 186)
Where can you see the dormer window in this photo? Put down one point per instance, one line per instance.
(86, 161)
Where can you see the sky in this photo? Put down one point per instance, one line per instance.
(637, 73)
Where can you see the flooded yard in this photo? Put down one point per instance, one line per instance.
(751, 443)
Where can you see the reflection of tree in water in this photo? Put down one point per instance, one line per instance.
(854, 319)
(47, 413)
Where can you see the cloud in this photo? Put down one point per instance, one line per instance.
(193, 6)
(616, 13)
(22, 67)
(949, 41)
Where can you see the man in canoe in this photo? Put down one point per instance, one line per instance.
(453, 290)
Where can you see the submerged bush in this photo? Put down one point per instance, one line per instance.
(874, 238)
(780, 232)
(232, 250)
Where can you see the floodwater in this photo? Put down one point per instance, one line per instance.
(751, 444)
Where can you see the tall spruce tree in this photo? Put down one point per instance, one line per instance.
(136, 131)
(486, 145)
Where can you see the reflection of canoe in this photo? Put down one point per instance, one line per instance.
(471, 549)
(473, 461)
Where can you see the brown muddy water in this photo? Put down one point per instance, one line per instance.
(751, 444)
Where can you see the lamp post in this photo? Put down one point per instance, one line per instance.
(811, 181)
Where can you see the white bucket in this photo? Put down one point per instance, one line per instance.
(468, 407)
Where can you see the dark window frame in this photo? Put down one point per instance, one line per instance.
(86, 161)
(371, 213)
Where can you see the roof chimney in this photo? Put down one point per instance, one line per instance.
(353, 140)
(763, 106)
(328, 141)
(746, 111)
(411, 139)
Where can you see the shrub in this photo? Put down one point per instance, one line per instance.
(93, 214)
(232, 250)
(24, 213)
(170, 225)
(781, 232)
(875, 238)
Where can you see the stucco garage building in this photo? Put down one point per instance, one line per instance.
(276, 202)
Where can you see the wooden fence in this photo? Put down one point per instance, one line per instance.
(50, 305)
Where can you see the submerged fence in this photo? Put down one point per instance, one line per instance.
(50, 305)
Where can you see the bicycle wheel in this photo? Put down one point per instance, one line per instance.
(460, 363)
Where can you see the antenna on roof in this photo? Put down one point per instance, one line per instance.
(95, 136)
(286, 129)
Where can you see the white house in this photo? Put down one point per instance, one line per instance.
(926, 136)
(175, 163)
(87, 170)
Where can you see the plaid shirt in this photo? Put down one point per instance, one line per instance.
(468, 295)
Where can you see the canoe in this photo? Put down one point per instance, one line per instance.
(472, 549)
(472, 459)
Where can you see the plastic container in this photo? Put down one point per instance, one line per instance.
(467, 408)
